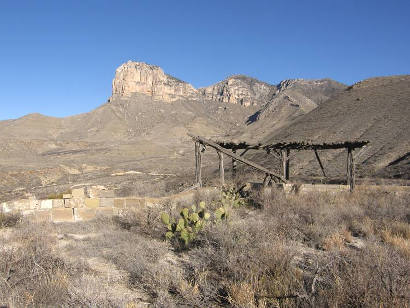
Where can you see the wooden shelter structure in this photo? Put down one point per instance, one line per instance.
(280, 150)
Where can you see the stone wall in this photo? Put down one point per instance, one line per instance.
(78, 206)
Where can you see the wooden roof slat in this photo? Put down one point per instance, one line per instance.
(293, 145)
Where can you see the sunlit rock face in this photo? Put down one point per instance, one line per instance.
(239, 89)
(139, 77)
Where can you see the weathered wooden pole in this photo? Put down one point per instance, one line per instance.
(320, 162)
(198, 164)
(350, 169)
(221, 168)
(234, 165)
(285, 163)
(196, 161)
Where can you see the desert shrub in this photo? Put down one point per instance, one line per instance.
(245, 263)
(32, 274)
(372, 277)
(142, 220)
(9, 219)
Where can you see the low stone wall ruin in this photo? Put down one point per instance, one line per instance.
(79, 206)
(82, 206)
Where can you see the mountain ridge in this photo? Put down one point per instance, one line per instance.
(144, 126)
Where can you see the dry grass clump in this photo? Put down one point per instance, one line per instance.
(142, 220)
(398, 235)
(31, 272)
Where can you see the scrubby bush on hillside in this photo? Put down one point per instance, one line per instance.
(9, 219)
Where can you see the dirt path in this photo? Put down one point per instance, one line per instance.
(109, 278)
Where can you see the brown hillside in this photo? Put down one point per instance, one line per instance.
(377, 110)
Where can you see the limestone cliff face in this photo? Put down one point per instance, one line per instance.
(239, 89)
(139, 77)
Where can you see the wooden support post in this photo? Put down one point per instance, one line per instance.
(234, 165)
(198, 164)
(350, 169)
(285, 163)
(320, 162)
(221, 168)
(196, 161)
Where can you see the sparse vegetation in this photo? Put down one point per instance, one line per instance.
(9, 220)
(313, 250)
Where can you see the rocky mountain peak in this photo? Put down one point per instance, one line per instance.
(239, 89)
(287, 83)
(139, 77)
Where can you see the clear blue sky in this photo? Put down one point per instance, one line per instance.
(58, 57)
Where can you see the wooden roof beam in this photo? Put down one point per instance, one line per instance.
(235, 156)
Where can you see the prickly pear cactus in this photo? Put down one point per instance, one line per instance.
(220, 214)
(188, 225)
(230, 197)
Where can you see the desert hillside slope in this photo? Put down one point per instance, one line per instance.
(292, 99)
(141, 131)
(376, 109)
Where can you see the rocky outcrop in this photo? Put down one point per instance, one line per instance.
(318, 90)
(300, 95)
(139, 77)
(241, 90)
